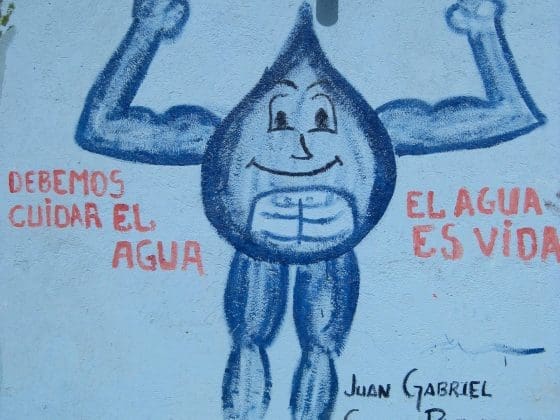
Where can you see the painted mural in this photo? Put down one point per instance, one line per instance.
(297, 179)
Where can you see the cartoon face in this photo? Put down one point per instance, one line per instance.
(298, 118)
(301, 169)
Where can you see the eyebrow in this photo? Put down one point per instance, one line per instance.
(287, 83)
(318, 82)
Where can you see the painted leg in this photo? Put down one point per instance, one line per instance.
(255, 302)
(325, 298)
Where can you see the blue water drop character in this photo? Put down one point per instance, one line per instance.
(297, 174)
(302, 169)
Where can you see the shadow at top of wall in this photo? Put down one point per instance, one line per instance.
(5, 41)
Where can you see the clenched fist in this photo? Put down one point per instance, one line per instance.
(168, 17)
(474, 16)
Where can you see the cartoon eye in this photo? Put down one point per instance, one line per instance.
(325, 116)
(280, 121)
(278, 117)
(322, 119)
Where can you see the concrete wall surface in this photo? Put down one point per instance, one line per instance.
(293, 242)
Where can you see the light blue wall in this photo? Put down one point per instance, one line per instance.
(79, 339)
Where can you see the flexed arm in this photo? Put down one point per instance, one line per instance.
(110, 126)
(467, 122)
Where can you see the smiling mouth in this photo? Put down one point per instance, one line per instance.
(335, 161)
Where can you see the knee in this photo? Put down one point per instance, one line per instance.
(325, 334)
(329, 341)
(252, 333)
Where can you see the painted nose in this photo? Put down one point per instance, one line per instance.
(306, 152)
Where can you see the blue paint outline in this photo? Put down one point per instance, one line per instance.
(86, 135)
(340, 278)
(302, 42)
(409, 149)
(109, 101)
(272, 255)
